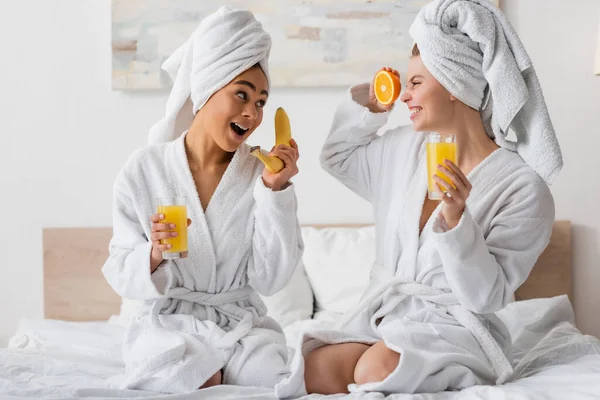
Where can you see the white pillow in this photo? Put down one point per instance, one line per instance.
(528, 321)
(338, 263)
(294, 302)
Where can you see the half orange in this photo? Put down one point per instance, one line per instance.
(387, 87)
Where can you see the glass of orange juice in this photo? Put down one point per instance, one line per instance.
(439, 148)
(175, 211)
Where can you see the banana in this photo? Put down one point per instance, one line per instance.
(273, 164)
(283, 135)
(283, 131)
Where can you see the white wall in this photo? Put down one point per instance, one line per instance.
(65, 134)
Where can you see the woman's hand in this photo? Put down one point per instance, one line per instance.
(161, 230)
(375, 106)
(289, 155)
(456, 194)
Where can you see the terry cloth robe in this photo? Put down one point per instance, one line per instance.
(202, 313)
(432, 296)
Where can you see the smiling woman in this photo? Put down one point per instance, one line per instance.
(244, 236)
(443, 266)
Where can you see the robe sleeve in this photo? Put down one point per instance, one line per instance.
(354, 153)
(277, 244)
(127, 268)
(484, 270)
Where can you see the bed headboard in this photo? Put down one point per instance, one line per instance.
(74, 287)
(75, 290)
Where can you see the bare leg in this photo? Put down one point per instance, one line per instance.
(214, 380)
(376, 364)
(330, 369)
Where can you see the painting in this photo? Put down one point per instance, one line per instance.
(319, 43)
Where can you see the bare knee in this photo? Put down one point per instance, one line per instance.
(376, 364)
(214, 380)
(330, 369)
(320, 372)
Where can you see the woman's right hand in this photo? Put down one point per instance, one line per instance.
(160, 231)
(375, 106)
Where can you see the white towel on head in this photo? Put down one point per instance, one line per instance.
(225, 44)
(472, 50)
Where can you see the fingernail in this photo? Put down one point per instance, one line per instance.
(172, 226)
(169, 246)
(161, 216)
(173, 233)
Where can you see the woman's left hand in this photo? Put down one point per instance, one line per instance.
(456, 194)
(289, 155)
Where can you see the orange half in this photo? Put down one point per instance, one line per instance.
(387, 87)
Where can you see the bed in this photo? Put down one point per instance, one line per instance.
(77, 347)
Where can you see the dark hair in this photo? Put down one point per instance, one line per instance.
(415, 51)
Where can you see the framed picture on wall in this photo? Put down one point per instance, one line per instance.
(326, 43)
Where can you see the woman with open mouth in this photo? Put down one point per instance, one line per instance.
(202, 322)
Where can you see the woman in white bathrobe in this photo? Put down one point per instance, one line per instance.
(426, 323)
(202, 322)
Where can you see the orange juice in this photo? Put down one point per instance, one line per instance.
(437, 152)
(176, 215)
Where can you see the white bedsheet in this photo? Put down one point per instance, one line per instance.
(65, 360)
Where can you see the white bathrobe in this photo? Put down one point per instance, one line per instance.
(432, 296)
(202, 314)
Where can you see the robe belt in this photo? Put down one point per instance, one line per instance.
(211, 299)
(222, 302)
